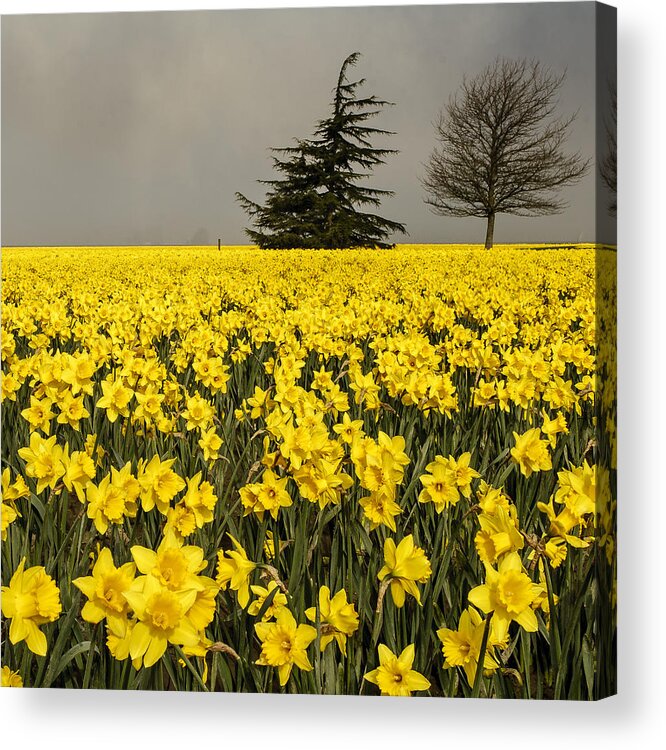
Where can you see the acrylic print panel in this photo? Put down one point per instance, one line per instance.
(336, 417)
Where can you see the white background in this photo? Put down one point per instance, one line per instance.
(634, 718)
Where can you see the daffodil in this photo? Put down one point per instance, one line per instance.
(200, 499)
(462, 647)
(8, 514)
(39, 414)
(490, 498)
(380, 466)
(127, 483)
(31, 600)
(577, 490)
(149, 407)
(198, 414)
(394, 675)
(11, 492)
(10, 678)
(531, 453)
(551, 428)
(234, 569)
(348, 429)
(210, 443)
(405, 565)
(321, 481)
(161, 619)
(284, 644)
(118, 637)
(439, 485)
(159, 484)
(44, 461)
(338, 618)
(380, 509)
(559, 532)
(181, 520)
(92, 446)
(202, 611)
(499, 534)
(105, 588)
(508, 593)
(173, 564)
(79, 471)
(115, 398)
(72, 410)
(272, 494)
(108, 504)
(463, 473)
(278, 601)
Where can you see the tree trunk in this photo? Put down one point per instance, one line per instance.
(490, 231)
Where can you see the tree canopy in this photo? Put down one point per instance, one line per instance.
(320, 200)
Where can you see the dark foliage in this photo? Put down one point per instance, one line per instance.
(318, 201)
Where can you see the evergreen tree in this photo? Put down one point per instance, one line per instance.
(318, 202)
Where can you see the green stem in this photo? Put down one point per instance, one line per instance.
(194, 672)
(482, 657)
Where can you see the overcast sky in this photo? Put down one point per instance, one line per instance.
(138, 128)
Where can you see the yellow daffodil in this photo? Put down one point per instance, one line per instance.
(439, 485)
(79, 471)
(39, 414)
(272, 494)
(551, 428)
(173, 564)
(499, 534)
(108, 504)
(11, 492)
(115, 398)
(508, 593)
(8, 514)
(380, 509)
(394, 675)
(161, 619)
(278, 601)
(10, 678)
(198, 414)
(284, 644)
(234, 569)
(348, 429)
(105, 588)
(159, 484)
(338, 618)
(531, 453)
(118, 637)
(200, 499)
(461, 647)
(405, 565)
(210, 443)
(44, 461)
(72, 411)
(32, 599)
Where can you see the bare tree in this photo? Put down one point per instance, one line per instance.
(501, 146)
(608, 167)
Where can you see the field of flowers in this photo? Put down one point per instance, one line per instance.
(309, 471)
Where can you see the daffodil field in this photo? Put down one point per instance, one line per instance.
(335, 472)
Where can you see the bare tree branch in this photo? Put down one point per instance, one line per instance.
(501, 146)
(608, 167)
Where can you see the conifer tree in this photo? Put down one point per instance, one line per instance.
(318, 202)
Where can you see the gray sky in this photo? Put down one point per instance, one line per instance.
(138, 128)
